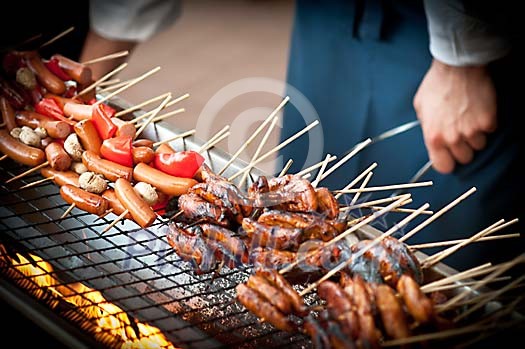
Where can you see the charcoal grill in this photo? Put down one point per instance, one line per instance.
(133, 268)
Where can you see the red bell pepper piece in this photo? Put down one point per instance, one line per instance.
(54, 68)
(109, 110)
(102, 121)
(118, 149)
(49, 107)
(181, 164)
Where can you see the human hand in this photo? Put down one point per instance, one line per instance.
(457, 108)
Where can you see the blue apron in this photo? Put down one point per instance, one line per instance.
(360, 64)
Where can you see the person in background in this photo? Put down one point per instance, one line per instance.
(370, 65)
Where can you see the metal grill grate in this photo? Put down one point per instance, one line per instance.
(133, 268)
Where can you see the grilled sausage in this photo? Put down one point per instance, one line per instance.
(109, 169)
(124, 128)
(282, 284)
(263, 309)
(78, 111)
(143, 142)
(61, 177)
(392, 314)
(418, 304)
(170, 185)
(84, 200)
(142, 154)
(54, 128)
(8, 113)
(57, 156)
(79, 72)
(114, 203)
(50, 81)
(141, 212)
(19, 151)
(88, 136)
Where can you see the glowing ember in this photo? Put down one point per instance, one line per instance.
(109, 318)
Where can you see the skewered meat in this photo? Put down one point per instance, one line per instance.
(338, 339)
(392, 315)
(263, 309)
(263, 257)
(405, 258)
(317, 333)
(191, 248)
(340, 307)
(327, 203)
(282, 284)
(222, 194)
(196, 208)
(418, 304)
(272, 236)
(273, 294)
(299, 193)
(231, 246)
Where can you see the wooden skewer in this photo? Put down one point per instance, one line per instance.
(40, 181)
(402, 210)
(182, 135)
(437, 214)
(163, 116)
(210, 145)
(103, 215)
(454, 242)
(3, 157)
(350, 155)
(346, 232)
(255, 134)
(363, 185)
(132, 83)
(102, 79)
(155, 112)
(277, 148)
(115, 221)
(307, 170)
(214, 138)
(31, 170)
(109, 82)
(286, 168)
(116, 85)
(500, 269)
(357, 179)
(463, 284)
(372, 203)
(387, 187)
(140, 105)
(324, 163)
(436, 258)
(485, 268)
(173, 102)
(259, 149)
(69, 209)
(376, 241)
(496, 294)
(107, 57)
(306, 176)
(28, 40)
(55, 38)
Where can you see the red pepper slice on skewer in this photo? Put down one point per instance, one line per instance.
(54, 68)
(180, 164)
(118, 149)
(49, 107)
(102, 121)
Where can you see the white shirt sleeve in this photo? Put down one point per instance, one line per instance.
(458, 38)
(132, 20)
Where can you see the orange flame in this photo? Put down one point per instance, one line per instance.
(108, 317)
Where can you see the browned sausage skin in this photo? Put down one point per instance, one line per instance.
(115, 203)
(77, 71)
(57, 157)
(142, 154)
(54, 128)
(84, 200)
(109, 169)
(166, 183)
(8, 114)
(88, 136)
(61, 177)
(50, 81)
(141, 212)
(19, 151)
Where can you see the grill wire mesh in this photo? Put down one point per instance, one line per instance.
(133, 268)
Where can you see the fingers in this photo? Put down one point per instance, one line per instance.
(477, 141)
(442, 160)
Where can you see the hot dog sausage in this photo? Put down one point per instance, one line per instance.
(84, 200)
(78, 111)
(114, 203)
(142, 154)
(88, 136)
(124, 128)
(141, 212)
(164, 148)
(77, 71)
(143, 142)
(166, 183)
(50, 81)
(61, 101)
(54, 128)
(19, 151)
(109, 169)
(8, 113)
(61, 177)
(57, 156)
